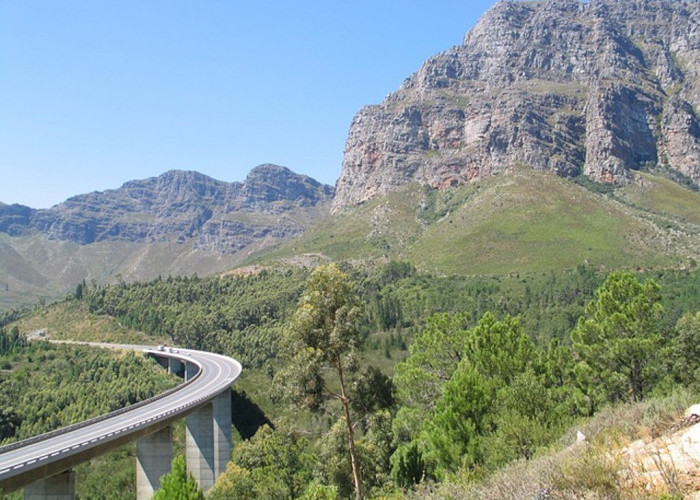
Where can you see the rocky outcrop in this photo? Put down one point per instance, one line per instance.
(598, 88)
(179, 207)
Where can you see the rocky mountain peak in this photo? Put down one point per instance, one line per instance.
(270, 183)
(600, 88)
(179, 206)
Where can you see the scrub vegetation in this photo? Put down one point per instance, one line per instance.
(413, 383)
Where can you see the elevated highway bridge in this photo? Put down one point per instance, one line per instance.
(43, 464)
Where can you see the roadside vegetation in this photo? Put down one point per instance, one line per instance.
(420, 386)
(46, 386)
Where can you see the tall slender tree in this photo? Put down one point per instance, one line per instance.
(325, 334)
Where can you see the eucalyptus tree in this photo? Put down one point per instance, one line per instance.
(324, 337)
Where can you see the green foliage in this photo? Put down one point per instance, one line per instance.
(240, 316)
(617, 339)
(525, 416)
(433, 358)
(324, 334)
(51, 386)
(274, 464)
(236, 482)
(327, 315)
(316, 491)
(372, 391)
(178, 484)
(407, 465)
(595, 187)
(458, 419)
(11, 341)
(334, 457)
(488, 404)
(685, 350)
(396, 270)
(499, 350)
(525, 388)
(375, 449)
(109, 477)
(548, 304)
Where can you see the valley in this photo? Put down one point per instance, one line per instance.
(509, 257)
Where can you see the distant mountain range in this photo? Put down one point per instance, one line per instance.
(179, 223)
(180, 206)
(467, 168)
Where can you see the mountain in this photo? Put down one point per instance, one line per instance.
(179, 223)
(601, 89)
(526, 221)
(180, 206)
(466, 169)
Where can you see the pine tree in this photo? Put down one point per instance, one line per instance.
(178, 484)
(618, 338)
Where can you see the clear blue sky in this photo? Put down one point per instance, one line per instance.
(99, 92)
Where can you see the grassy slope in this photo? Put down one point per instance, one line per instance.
(72, 321)
(523, 222)
(526, 221)
(600, 468)
(34, 266)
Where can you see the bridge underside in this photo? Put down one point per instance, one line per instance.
(207, 449)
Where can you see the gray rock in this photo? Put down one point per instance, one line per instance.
(599, 88)
(181, 206)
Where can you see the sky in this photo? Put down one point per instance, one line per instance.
(96, 93)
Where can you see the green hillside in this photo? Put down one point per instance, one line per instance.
(526, 221)
(35, 267)
(523, 222)
(414, 329)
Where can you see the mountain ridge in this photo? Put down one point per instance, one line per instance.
(599, 89)
(177, 206)
(450, 172)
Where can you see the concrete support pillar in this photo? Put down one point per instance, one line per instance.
(162, 361)
(199, 446)
(190, 370)
(221, 409)
(58, 487)
(175, 366)
(154, 454)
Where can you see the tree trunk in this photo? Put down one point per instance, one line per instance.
(351, 434)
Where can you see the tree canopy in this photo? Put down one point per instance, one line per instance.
(617, 338)
(178, 484)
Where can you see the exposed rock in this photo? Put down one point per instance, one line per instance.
(180, 206)
(599, 88)
(14, 219)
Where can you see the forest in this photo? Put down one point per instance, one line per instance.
(380, 383)
(46, 386)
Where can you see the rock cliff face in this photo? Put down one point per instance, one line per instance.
(180, 206)
(598, 88)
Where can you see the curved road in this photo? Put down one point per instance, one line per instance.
(43, 456)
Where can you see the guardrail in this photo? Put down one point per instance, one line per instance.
(163, 416)
(100, 418)
(45, 461)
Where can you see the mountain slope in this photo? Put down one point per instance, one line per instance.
(599, 88)
(179, 223)
(179, 206)
(525, 221)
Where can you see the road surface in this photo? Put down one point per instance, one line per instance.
(43, 456)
